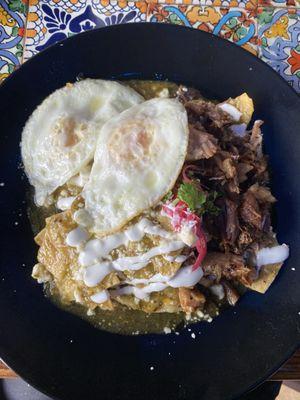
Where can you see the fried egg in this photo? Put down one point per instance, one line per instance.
(138, 158)
(59, 139)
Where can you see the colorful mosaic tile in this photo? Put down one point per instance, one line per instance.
(269, 28)
(279, 3)
(51, 21)
(12, 22)
(248, 4)
(235, 24)
(279, 41)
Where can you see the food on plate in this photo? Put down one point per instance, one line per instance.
(160, 208)
(59, 138)
(130, 153)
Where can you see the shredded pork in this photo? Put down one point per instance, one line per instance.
(236, 168)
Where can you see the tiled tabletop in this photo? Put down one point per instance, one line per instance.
(270, 29)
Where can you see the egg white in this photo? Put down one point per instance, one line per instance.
(138, 158)
(59, 139)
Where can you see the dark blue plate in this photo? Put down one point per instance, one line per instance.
(64, 356)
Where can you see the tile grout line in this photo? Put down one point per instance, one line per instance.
(25, 30)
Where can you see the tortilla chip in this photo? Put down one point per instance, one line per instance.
(266, 277)
(244, 104)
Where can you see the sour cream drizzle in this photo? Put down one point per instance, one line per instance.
(185, 277)
(97, 249)
(272, 255)
(140, 293)
(94, 274)
(95, 258)
(100, 297)
(76, 237)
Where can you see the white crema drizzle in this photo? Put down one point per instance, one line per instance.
(94, 257)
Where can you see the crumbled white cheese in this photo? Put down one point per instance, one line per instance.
(64, 203)
(41, 274)
(187, 235)
(218, 291)
(77, 296)
(188, 316)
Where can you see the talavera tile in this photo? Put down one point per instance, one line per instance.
(248, 4)
(235, 24)
(50, 21)
(279, 3)
(279, 41)
(12, 23)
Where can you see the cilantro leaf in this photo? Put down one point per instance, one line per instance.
(191, 195)
(196, 200)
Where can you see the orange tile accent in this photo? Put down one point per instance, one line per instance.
(33, 2)
(142, 6)
(32, 16)
(246, 46)
(251, 5)
(217, 3)
(31, 32)
(122, 3)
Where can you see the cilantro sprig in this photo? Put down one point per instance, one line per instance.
(196, 200)
(191, 195)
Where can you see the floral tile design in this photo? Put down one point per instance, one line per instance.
(248, 4)
(50, 21)
(235, 24)
(279, 41)
(279, 3)
(12, 23)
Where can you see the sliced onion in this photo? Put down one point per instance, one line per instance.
(239, 129)
(231, 110)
